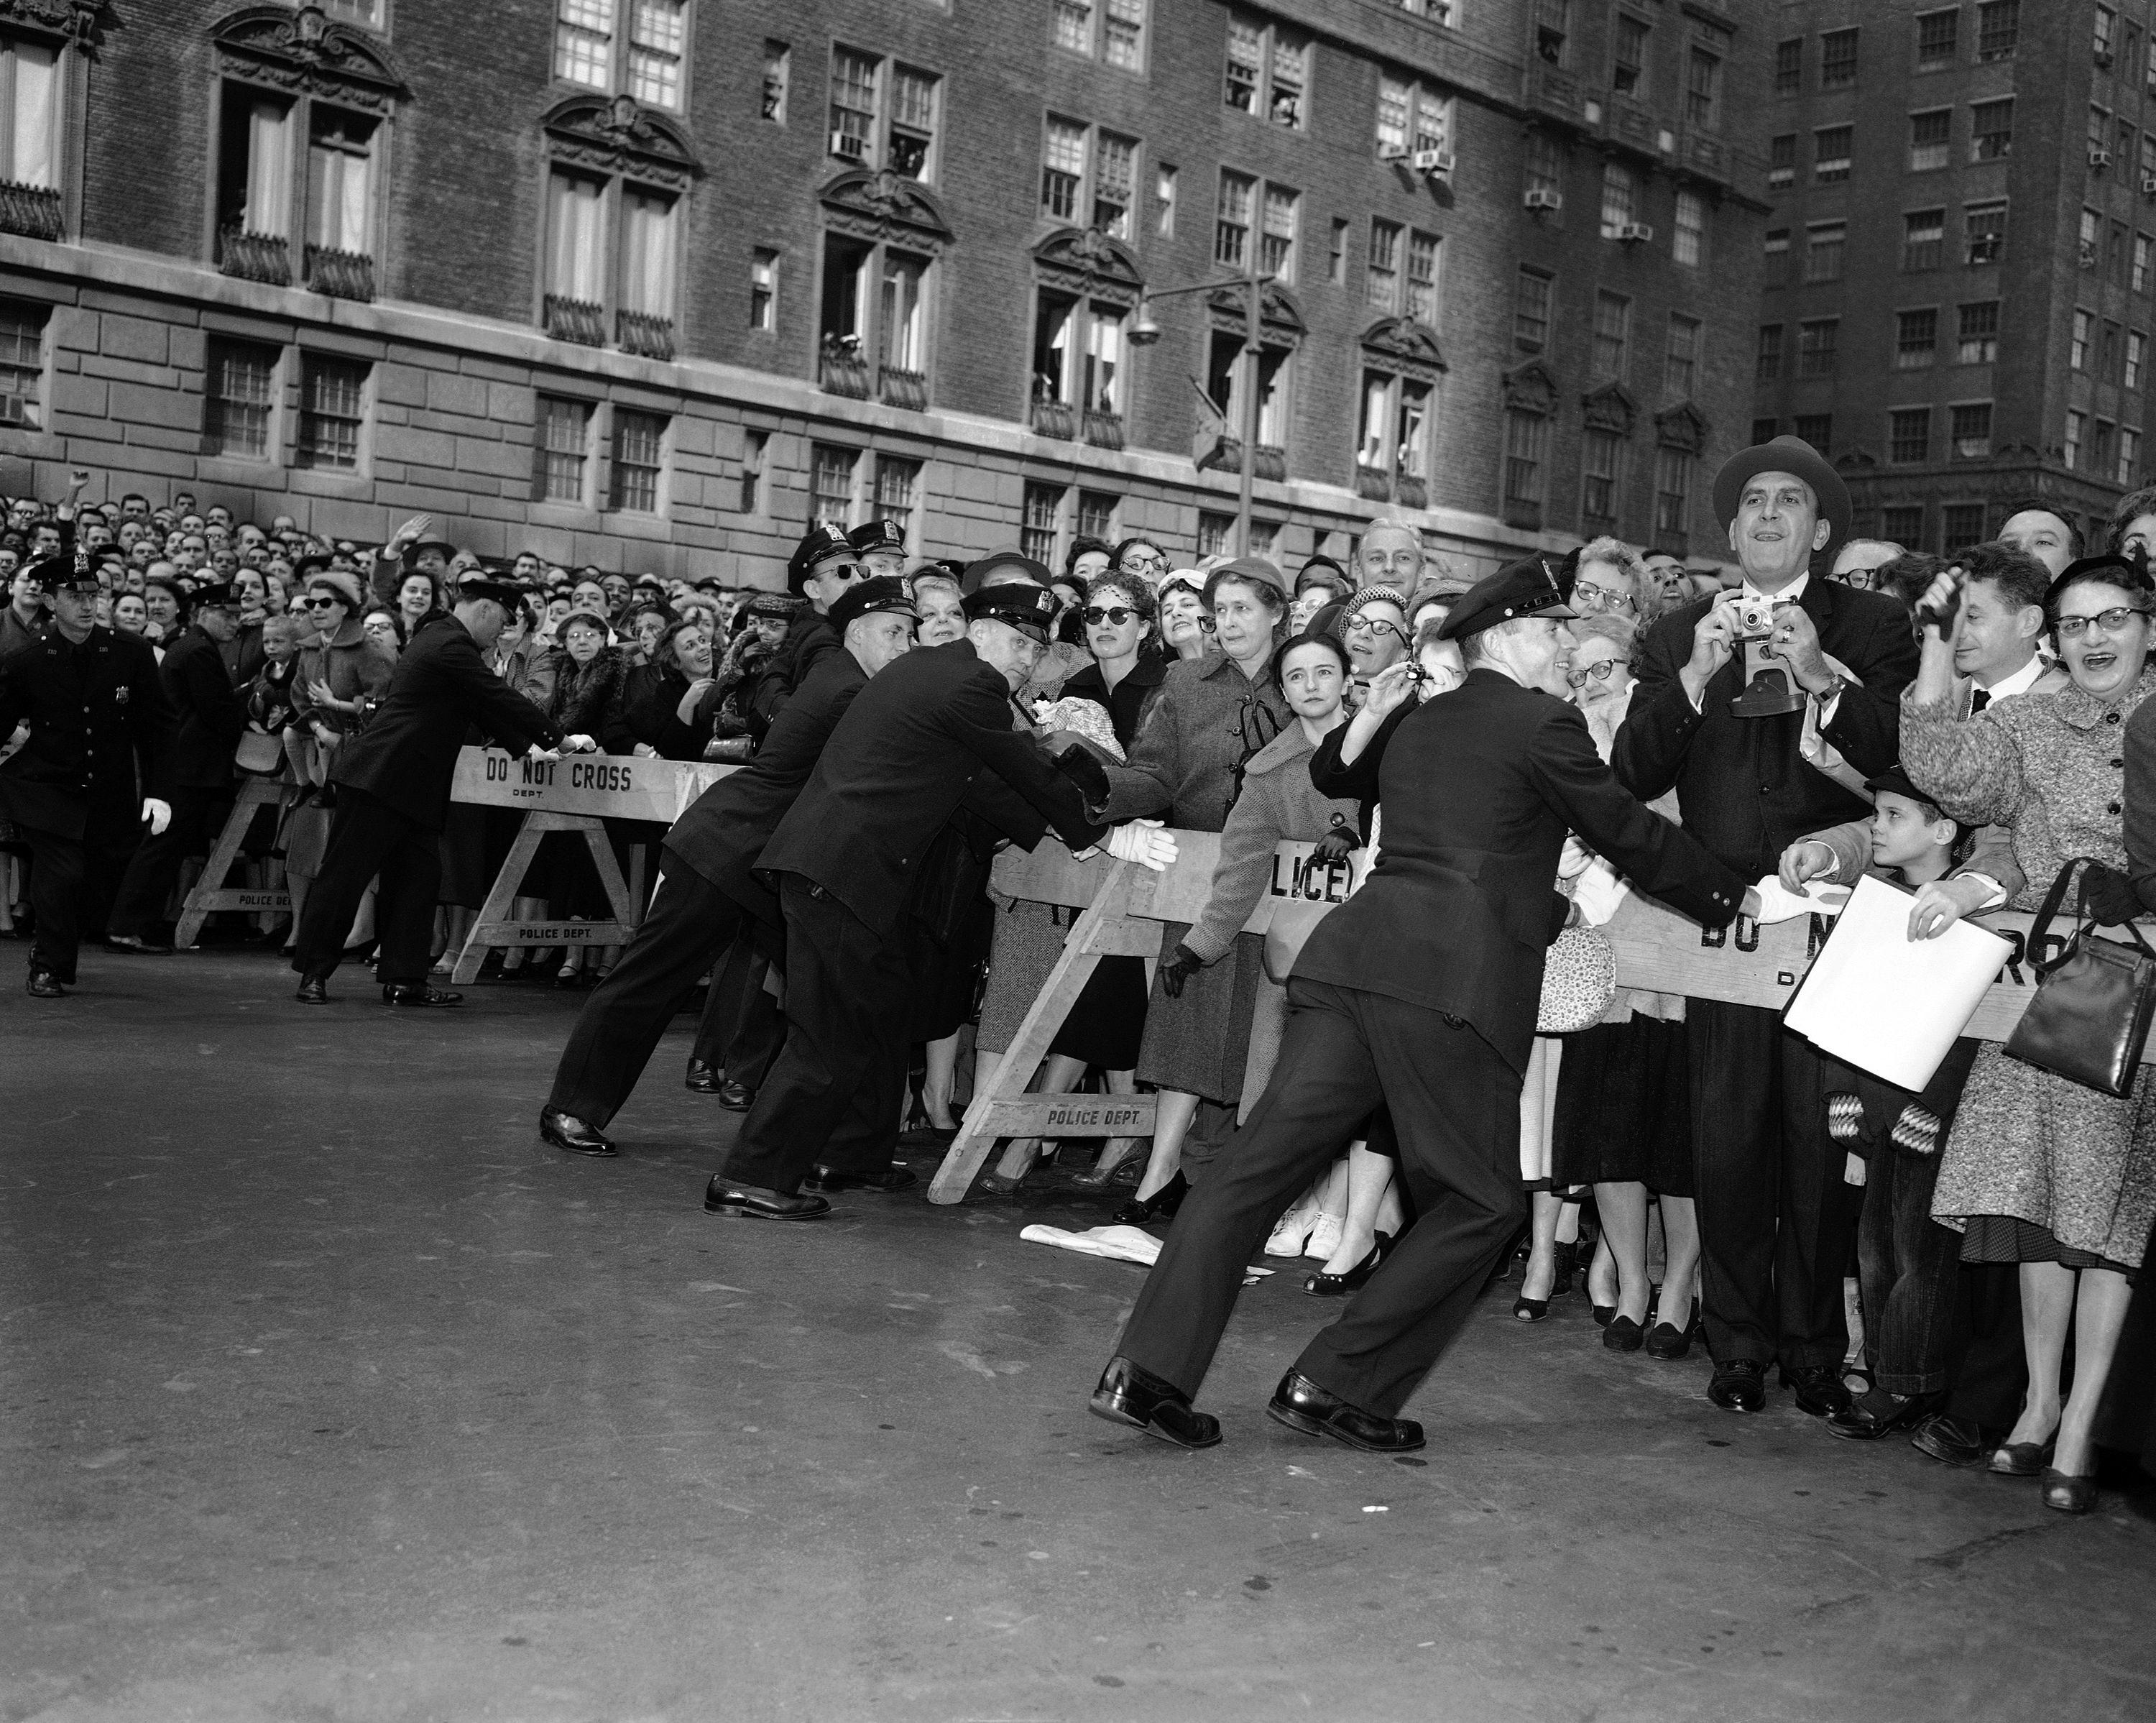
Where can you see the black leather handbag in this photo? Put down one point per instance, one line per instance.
(2089, 1020)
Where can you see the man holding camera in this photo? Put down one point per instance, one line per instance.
(1736, 693)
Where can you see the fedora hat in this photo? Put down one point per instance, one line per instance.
(1785, 454)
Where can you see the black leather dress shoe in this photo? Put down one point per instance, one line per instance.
(752, 1202)
(736, 1096)
(565, 1130)
(1819, 1390)
(418, 993)
(1952, 1441)
(44, 984)
(1869, 1416)
(1302, 1405)
(829, 1179)
(702, 1079)
(1739, 1385)
(314, 989)
(137, 944)
(1129, 1394)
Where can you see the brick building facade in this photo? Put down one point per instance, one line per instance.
(1961, 254)
(652, 283)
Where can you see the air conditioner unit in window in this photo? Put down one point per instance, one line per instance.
(1635, 233)
(2099, 158)
(847, 144)
(1437, 164)
(2103, 56)
(1540, 197)
(2148, 185)
(1392, 153)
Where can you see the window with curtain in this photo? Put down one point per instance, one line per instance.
(340, 176)
(900, 322)
(1054, 314)
(1104, 359)
(29, 126)
(647, 252)
(1411, 436)
(1377, 416)
(576, 237)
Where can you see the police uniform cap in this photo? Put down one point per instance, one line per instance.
(882, 592)
(60, 574)
(1027, 608)
(819, 545)
(212, 593)
(1017, 561)
(878, 535)
(1539, 585)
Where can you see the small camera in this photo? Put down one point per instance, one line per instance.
(1755, 619)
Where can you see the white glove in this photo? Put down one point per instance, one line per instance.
(1778, 903)
(158, 814)
(579, 745)
(1144, 842)
(1597, 892)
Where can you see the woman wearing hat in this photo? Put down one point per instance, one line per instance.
(588, 679)
(1373, 625)
(1186, 623)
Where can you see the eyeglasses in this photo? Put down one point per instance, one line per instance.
(1117, 614)
(1373, 625)
(1600, 597)
(1143, 559)
(2110, 621)
(320, 604)
(1600, 672)
(1863, 578)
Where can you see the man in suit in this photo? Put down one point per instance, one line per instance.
(99, 726)
(393, 793)
(1419, 994)
(213, 717)
(709, 896)
(1776, 1219)
(931, 733)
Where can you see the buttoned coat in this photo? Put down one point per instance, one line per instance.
(212, 711)
(101, 732)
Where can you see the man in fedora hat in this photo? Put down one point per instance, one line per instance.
(1776, 1219)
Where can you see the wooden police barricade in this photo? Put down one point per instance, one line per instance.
(577, 793)
(209, 893)
(1124, 905)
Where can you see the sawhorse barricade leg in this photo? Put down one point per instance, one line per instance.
(1003, 1109)
(495, 930)
(210, 894)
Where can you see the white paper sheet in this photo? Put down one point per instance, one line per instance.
(1888, 1004)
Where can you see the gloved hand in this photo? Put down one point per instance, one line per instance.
(1078, 764)
(1777, 902)
(1181, 965)
(1142, 841)
(158, 814)
(2112, 898)
(1338, 845)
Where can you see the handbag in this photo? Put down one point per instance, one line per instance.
(2089, 1020)
(259, 753)
(1579, 980)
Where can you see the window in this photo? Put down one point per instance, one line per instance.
(1163, 201)
(1680, 360)
(1336, 254)
(1998, 28)
(1531, 310)
(754, 444)
(1422, 278)
(2144, 254)
(1703, 88)
(1246, 63)
(1790, 66)
(866, 90)
(1231, 224)
(1393, 434)
(1776, 244)
(30, 103)
(2129, 456)
(2115, 253)
(1837, 59)
(1815, 346)
(1816, 429)
(640, 442)
(332, 408)
(902, 355)
(1613, 323)
(647, 259)
(912, 135)
(657, 46)
(576, 252)
(1062, 168)
(1978, 341)
(1768, 366)
(1527, 436)
(1938, 37)
(658, 33)
(1433, 126)
(1616, 199)
(583, 42)
(254, 184)
(1601, 453)
(778, 67)
(2091, 226)
(1825, 246)
(1991, 131)
(1985, 225)
(1909, 436)
(1291, 77)
(241, 387)
(1396, 101)
(2108, 352)
(1916, 340)
(1213, 533)
(1268, 71)
(22, 364)
(2106, 29)
(831, 472)
(1545, 171)
(1381, 276)
(1224, 386)
(1782, 161)
(2077, 344)
(763, 289)
(357, 12)
(1962, 522)
(1072, 24)
(1972, 431)
(1830, 154)
(2136, 352)
(897, 490)
(1552, 30)
(1120, 40)
(1904, 525)
(1115, 179)
(1688, 244)
(2100, 448)
(1673, 475)
(1096, 515)
(561, 448)
(2077, 430)
(1037, 529)
(1923, 239)
(340, 204)
(1276, 241)
(1628, 71)
(1077, 358)
(1930, 140)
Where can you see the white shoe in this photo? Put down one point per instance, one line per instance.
(1324, 1238)
(1292, 1233)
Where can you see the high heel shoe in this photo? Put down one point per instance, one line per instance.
(1623, 1335)
(1161, 1206)
(1094, 1179)
(1332, 1286)
(2067, 1493)
(1292, 1234)
(999, 1184)
(2025, 1459)
(1668, 1342)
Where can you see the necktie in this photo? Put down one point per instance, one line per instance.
(1978, 701)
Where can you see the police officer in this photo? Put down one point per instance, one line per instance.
(1418, 994)
(212, 711)
(392, 793)
(823, 566)
(881, 547)
(708, 897)
(99, 724)
(930, 734)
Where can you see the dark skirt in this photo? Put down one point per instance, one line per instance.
(2008, 1238)
(1624, 1109)
(947, 978)
(1199, 1044)
(1106, 1025)
(564, 874)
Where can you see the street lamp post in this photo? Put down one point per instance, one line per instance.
(1145, 332)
